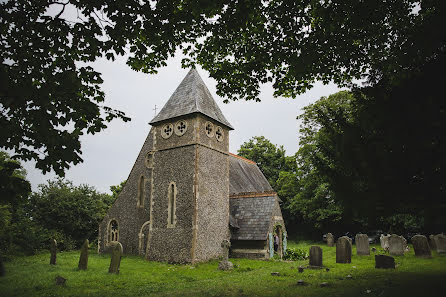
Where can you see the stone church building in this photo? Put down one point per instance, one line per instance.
(186, 193)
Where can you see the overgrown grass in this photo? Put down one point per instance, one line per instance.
(33, 276)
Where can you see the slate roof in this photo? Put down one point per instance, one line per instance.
(191, 96)
(253, 215)
(245, 176)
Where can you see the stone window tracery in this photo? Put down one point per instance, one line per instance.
(209, 128)
(180, 128)
(167, 131)
(219, 133)
(171, 210)
(113, 231)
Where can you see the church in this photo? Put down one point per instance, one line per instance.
(186, 193)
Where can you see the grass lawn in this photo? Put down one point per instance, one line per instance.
(33, 276)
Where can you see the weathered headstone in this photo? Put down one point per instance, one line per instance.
(315, 256)
(225, 264)
(432, 244)
(330, 239)
(421, 246)
(343, 250)
(53, 251)
(362, 244)
(396, 245)
(384, 261)
(83, 259)
(115, 261)
(2, 267)
(440, 242)
(384, 240)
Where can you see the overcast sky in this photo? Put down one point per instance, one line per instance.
(109, 155)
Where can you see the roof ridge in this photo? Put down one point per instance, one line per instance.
(242, 158)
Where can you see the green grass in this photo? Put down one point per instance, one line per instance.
(33, 276)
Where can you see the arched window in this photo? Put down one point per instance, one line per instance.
(141, 195)
(171, 196)
(113, 231)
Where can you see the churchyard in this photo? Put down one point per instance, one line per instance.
(413, 276)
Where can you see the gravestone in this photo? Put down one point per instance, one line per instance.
(225, 264)
(432, 244)
(362, 244)
(115, 261)
(384, 261)
(330, 239)
(421, 246)
(440, 243)
(83, 259)
(396, 245)
(315, 256)
(2, 267)
(384, 240)
(343, 250)
(53, 251)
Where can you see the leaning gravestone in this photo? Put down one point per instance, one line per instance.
(83, 259)
(225, 264)
(343, 250)
(396, 245)
(315, 256)
(384, 240)
(330, 239)
(432, 244)
(362, 244)
(53, 251)
(421, 246)
(116, 258)
(384, 261)
(440, 242)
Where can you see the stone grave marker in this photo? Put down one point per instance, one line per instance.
(396, 245)
(330, 239)
(440, 243)
(83, 259)
(115, 261)
(384, 240)
(53, 251)
(315, 256)
(432, 244)
(421, 246)
(343, 250)
(384, 261)
(225, 264)
(362, 244)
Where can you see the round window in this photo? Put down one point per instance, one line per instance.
(209, 127)
(166, 131)
(180, 128)
(219, 133)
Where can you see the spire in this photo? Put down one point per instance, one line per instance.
(191, 96)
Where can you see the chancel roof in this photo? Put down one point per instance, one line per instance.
(191, 96)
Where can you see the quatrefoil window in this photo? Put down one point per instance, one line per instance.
(167, 131)
(209, 127)
(219, 133)
(180, 128)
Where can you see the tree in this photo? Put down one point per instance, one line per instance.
(270, 158)
(50, 96)
(70, 213)
(117, 189)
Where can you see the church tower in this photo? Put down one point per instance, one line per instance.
(189, 211)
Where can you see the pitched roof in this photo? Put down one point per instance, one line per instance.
(191, 96)
(245, 176)
(253, 215)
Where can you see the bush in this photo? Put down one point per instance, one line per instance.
(295, 254)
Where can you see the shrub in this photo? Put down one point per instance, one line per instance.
(295, 254)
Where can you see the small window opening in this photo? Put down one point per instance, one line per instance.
(141, 191)
(114, 231)
(171, 206)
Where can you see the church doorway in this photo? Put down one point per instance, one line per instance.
(278, 243)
